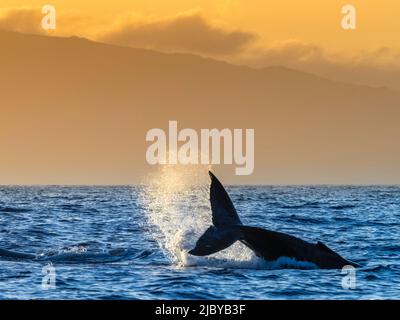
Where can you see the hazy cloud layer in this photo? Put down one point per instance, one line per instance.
(24, 20)
(378, 68)
(29, 20)
(295, 52)
(188, 32)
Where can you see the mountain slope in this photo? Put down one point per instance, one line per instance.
(76, 111)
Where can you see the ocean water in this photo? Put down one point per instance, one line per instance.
(131, 242)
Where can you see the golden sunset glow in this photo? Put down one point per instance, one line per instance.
(77, 101)
(312, 21)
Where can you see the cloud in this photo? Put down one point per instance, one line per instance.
(29, 20)
(298, 53)
(188, 32)
(292, 51)
(24, 20)
(380, 67)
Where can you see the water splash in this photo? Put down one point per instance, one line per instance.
(176, 200)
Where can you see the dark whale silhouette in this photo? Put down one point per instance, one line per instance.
(269, 245)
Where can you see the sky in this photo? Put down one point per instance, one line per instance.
(310, 21)
(60, 146)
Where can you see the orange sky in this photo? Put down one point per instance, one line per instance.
(76, 112)
(313, 21)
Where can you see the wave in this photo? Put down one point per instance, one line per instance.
(14, 210)
(310, 204)
(253, 263)
(294, 217)
(75, 254)
(342, 207)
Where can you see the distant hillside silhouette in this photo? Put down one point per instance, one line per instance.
(76, 111)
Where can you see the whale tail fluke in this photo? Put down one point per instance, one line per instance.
(224, 231)
(269, 245)
(223, 211)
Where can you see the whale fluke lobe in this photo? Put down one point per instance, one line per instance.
(269, 245)
(214, 240)
(223, 211)
(224, 231)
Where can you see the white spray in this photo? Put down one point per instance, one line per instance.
(176, 199)
(177, 206)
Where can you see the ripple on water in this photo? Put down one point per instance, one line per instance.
(131, 243)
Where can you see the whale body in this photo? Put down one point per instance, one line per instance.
(269, 245)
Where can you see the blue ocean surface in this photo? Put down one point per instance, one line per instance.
(131, 242)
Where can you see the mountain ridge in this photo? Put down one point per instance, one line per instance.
(77, 112)
(279, 68)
